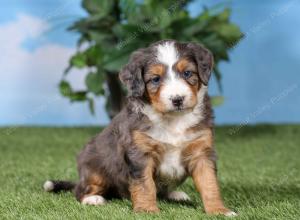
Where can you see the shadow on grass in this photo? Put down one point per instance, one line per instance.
(188, 204)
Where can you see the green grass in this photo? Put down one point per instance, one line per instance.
(258, 169)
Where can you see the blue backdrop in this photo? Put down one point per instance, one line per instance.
(261, 83)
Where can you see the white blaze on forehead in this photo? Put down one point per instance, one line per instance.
(173, 86)
(167, 54)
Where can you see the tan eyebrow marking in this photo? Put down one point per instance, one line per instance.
(158, 69)
(154, 69)
(185, 64)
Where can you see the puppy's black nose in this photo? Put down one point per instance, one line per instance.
(178, 101)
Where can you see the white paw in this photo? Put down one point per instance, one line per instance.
(231, 214)
(48, 186)
(178, 196)
(93, 200)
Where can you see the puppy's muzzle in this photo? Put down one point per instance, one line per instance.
(177, 101)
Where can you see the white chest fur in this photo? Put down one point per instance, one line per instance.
(172, 131)
(171, 169)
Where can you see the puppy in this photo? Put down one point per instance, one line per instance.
(163, 135)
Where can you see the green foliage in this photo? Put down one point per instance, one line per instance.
(92, 83)
(217, 100)
(115, 28)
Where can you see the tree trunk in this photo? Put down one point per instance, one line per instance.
(116, 96)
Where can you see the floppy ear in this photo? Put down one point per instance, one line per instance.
(131, 74)
(204, 60)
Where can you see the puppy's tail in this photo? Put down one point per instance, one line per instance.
(58, 186)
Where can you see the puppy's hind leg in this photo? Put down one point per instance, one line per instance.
(178, 196)
(171, 195)
(90, 191)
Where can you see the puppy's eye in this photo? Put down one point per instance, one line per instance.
(187, 74)
(155, 80)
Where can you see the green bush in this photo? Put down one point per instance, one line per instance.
(115, 28)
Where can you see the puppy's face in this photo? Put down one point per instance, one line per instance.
(172, 81)
(169, 74)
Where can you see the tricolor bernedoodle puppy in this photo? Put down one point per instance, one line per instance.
(163, 135)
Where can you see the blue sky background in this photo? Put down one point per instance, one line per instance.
(261, 83)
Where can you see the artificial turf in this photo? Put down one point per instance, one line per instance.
(258, 169)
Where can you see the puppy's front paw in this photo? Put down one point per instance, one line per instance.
(222, 211)
(149, 209)
(93, 200)
(178, 196)
(231, 214)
